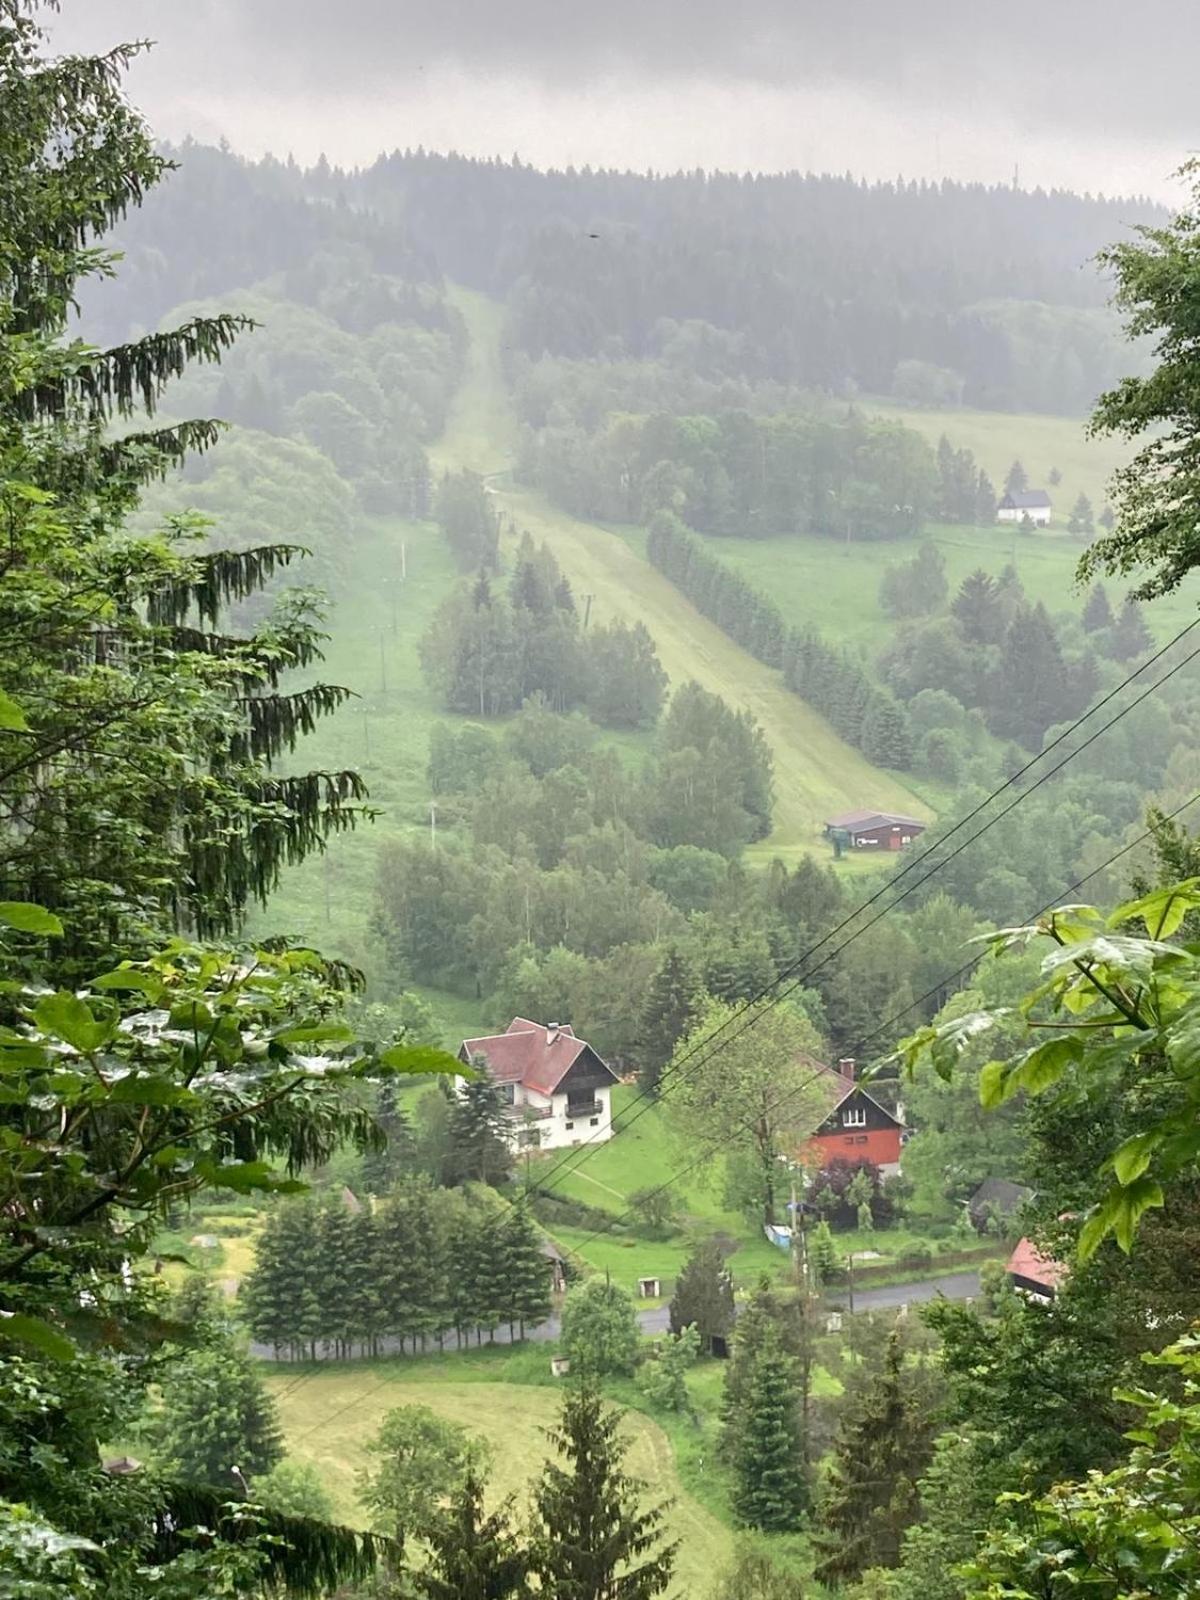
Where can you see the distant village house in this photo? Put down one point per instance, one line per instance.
(1033, 503)
(1033, 1274)
(556, 1089)
(872, 830)
(856, 1127)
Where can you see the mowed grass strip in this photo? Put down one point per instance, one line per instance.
(329, 1415)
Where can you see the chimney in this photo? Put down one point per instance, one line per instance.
(551, 1033)
(846, 1068)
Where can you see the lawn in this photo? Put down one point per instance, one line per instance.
(1040, 442)
(816, 772)
(328, 1413)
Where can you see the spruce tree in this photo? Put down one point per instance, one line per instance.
(528, 1285)
(672, 1005)
(1130, 636)
(753, 1330)
(1081, 520)
(591, 1540)
(1016, 481)
(125, 637)
(871, 1496)
(703, 1297)
(217, 1416)
(1097, 612)
(770, 1491)
(977, 609)
(268, 1295)
(472, 1555)
(477, 1148)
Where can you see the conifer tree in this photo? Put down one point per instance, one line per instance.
(1081, 520)
(753, 1329)
(880, 1453)
(977, 609)
(217, 1416)
(1016, 480)
(527, 1270)
(703, 1297)
(1130, 636)
(1097, 612)
(591, 1540)
(477, 1148)
(672, 1005)
(268, 1295)
(126, 851)
(770, 1491)
(985, 502)
(472, 1555)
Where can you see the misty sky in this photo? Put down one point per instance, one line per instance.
(1095, 94)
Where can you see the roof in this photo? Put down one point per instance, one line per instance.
(835, 1088)
(536, 1055)
(1001, 1194)
(1027, 500)
(1028, 1262)
(858, 821)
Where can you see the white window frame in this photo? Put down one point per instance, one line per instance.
(854, 1117)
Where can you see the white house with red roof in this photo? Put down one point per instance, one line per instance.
(557, 1089)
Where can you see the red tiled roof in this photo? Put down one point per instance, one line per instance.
(1028, 1262)
(528, 1053)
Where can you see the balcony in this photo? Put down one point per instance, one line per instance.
(527, 1113)
(583, 1108)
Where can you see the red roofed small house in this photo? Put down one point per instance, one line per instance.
(1034, 1274)
(856, 1127)
(558, 1089)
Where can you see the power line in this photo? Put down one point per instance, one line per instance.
(575, 1158)
(885, 1026)
(707, 1154)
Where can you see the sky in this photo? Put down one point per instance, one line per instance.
(1087, 94)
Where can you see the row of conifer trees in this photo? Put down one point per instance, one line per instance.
(333, 1278)
(831, 680)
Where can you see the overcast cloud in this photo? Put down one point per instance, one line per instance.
(1094, 93)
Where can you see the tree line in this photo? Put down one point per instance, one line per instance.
(489, 649)
(331, 1278)
(831, 680)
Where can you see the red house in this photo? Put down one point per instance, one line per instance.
(1032, 1273)
(856, 1127)
(872, 830)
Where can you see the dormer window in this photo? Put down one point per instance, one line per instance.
(854, 1117)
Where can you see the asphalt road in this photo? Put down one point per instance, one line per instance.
(655, 1320)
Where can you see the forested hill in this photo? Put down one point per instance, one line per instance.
(932, 293)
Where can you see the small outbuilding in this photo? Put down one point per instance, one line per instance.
(872, 830)
(996, 1200)
(649, 1288)
(1032, 1273)
(1033, 504)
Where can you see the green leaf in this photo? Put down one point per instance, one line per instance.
(1092, 1235)
(1137, 1197)
(1045, 1065)
(241, 1176)
(33, 1331)
(130, 978)
(12, 718)
(26, 917)
(993, 1085)
(415, 1060)
(1163, 910)
(1132, 1159)
(143, 1090)
(67, 1017)
(318, 1033)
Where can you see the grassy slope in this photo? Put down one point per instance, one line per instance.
(815, 771)
(836, 587)
(329, 1414)
(998, 438)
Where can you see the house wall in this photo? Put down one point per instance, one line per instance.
(891, 838)
(1038, 515)
(558, 1131)
(878, 1145)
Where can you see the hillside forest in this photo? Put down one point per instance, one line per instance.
(735, 629)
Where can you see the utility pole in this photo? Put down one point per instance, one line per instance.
(587, 610)
(403, 561)
(382, 667)
(366, 736)
(433, 824)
